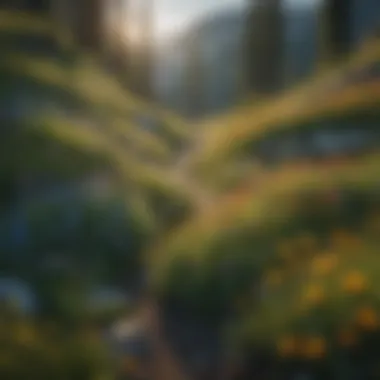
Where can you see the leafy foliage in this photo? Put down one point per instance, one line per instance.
(37, 350)
(289, 254)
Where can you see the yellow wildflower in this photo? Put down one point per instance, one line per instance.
(313, 295)
(346, 337)
(344, 240)
(367, 318)
(287, 346)
(354, 283)
(324, 264)
(315, 347)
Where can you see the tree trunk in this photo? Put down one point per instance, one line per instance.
(193, 79)
(265, 47)
(89, 26)
(116, 49)
(339, 23)
(143, 52)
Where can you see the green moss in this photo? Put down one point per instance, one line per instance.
(242, 228)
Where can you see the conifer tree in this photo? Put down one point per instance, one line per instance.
(264, 47)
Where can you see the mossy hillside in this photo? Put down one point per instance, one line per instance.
(79, 84)
(45, 77)
(134, 173)
(85, 125)
(320, 287)
(50, 350)
(31, 158)
(76, 245)
(295, 272)
(363, 106)
(239, 231)
(299, 146)
(318, 308)
(30, 149)
(327, 96)
(90, 110)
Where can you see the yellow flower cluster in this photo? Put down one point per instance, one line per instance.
(315, 348)
(354, 283)
(302, 245)
(287, 346)
(347, 337)
(324, 263)
(341, 239)
(312, 347)
(313, 295)
(367, 318)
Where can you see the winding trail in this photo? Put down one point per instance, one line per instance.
(165, 366)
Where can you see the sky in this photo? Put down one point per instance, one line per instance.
(177, 14)
(174, 15)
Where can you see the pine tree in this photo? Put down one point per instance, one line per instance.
(339, 24)
(265, 46)
(193, 76)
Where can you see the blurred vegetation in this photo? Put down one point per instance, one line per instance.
(335, 93)
(39, 349)
(83, 188)
(289, 254)
(73, 102)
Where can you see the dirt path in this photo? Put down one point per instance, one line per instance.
(165, 366)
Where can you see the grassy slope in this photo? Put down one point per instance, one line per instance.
(266, 203)
(225, 135)
(87, 83)
(266, 207)
(101, 117)
(292, 252)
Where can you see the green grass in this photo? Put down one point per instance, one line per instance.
(225, 135)
(83, 83)
(247, 160)
(240, 224)
(51, 350)
(100, 118)
(281, 313)
(32, 151)
(104, 103)
(141, 181)
(23, 22)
